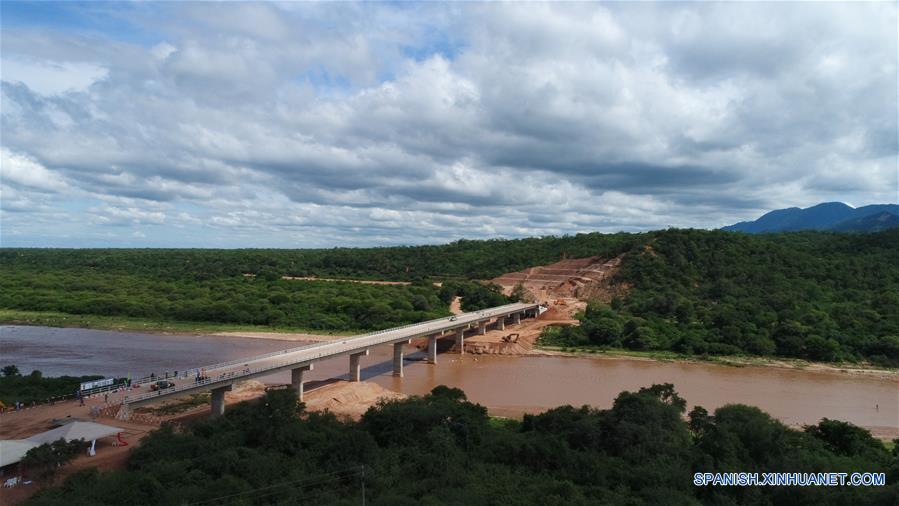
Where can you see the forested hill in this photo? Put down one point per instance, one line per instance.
(811, 295)
(824, 296)
(460, 259)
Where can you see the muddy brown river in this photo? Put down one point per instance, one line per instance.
(508, 386)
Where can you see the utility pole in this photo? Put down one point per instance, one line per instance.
(363, 484)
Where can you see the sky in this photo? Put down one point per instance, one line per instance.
(300, 125)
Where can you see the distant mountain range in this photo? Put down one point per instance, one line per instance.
(832, 216)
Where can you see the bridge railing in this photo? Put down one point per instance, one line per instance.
(107, 388)
(329, 349)
(237, 374)
(194, 371)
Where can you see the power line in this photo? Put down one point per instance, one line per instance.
(311, 481)
(316, 492)
(308, 481)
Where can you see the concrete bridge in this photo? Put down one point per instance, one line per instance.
(220, 378)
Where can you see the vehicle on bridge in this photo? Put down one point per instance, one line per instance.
(161, 385)
(220, 378)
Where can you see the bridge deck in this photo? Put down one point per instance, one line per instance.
(227, 373)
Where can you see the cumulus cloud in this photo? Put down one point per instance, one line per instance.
(21, 170)
(326, 124)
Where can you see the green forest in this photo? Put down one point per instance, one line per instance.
(813, 295)
(35, 387)
(442, 449)
(824, 297)
(243, 300)
(460, 260)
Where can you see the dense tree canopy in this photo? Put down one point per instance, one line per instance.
(474, 295)
(460, 259)
(34, 387)
(241, 300)
(815, 295)
(45, 460)
(442, 449)
(810, 295)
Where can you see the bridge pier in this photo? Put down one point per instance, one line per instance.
(355, 368)
(432, 348)
(398, 358)
(218, 400)
(296, 379)
(219, 378)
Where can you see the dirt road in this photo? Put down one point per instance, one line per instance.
(343, 398)
(456, 305)
(528, 331)
(31, 421)
(360, 281)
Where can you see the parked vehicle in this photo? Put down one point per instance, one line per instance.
(161, 385)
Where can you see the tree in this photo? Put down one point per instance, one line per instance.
(450, 393)
(640, 338)
(699, 420)
(45, 460)
(420, 303)
(10, 371)
(820, 348)
(844, 438)
(268, 274)
(521, 294)
(641, 451)
(823, 296)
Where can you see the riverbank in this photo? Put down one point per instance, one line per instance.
(863, 369)
(283, 336)
(506, 385)
(65, 320)
(125, 323)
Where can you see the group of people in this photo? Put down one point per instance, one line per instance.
(19, 406)
(81, 398)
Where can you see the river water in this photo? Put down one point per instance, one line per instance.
(506, 385)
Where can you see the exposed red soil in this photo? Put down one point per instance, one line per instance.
(343, 398)
(580, 278)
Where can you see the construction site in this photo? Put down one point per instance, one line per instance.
(563, 287)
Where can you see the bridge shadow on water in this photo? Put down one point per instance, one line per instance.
(386, 367)
(373, 370)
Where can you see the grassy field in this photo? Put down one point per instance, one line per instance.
(55, 319)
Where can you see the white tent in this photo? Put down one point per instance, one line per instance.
(12, 450)
(88, 431)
